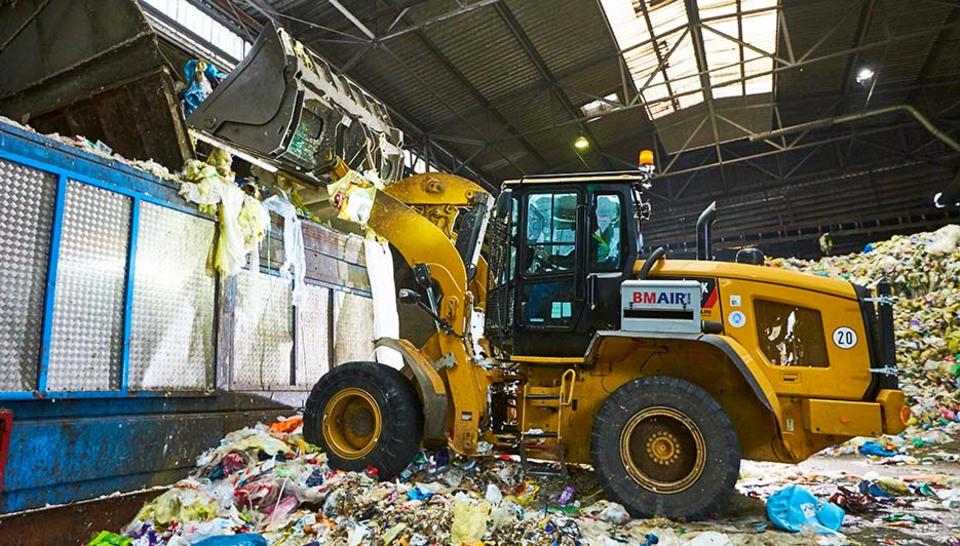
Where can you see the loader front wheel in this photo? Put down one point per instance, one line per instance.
(662, 446)
(364, 414)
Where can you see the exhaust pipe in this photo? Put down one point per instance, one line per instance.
(704, 225)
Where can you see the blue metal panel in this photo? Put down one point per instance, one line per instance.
(48, 155)
(128, 295)
(52, 281)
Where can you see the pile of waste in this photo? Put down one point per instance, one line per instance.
(924, 272)
(266, 485)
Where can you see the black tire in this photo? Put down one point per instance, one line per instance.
(672, 403)
(400, 411)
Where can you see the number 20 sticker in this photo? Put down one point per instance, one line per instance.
(844, 337)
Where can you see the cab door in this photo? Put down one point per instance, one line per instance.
(550, 284)
(609, 257)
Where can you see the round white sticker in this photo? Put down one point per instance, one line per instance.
(737, 319)
(844, 337)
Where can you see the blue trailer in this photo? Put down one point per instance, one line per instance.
(122, 354)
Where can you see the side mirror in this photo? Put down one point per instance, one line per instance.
(502, 205)
(408, 296)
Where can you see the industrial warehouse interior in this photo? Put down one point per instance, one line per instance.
(479, 272)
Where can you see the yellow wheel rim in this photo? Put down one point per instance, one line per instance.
(352, 423)
(663, 450)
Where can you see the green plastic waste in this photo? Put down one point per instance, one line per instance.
(106, 538)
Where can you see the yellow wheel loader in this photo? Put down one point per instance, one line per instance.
(554, 339)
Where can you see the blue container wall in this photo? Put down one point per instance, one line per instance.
(73, 449)
(71, 441)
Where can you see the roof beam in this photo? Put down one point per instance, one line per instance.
(353, 19)
(863, 26)
(481, 177)
(517, 31)
(661, 61)
(775, 70)
(696, 34)
(430, 89)
(480, 98)
(934, 51)
(626, 82)
(463, 9)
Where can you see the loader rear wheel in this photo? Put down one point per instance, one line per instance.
(365, 414)
(662, 446)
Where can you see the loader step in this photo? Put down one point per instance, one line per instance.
(539, 435)
(543, 396)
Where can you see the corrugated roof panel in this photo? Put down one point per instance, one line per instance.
(566, 33)
(485, 52)
(808, 24)
(599, 80)
(901, 61)
(613, 129)
(945, 60)
(421, 85)
(531, 112)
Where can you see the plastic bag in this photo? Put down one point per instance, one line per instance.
(710, 538)
(615, 513)
(875, 449)
(469, 521)
(248, 539)
(294, 257)
(386, 320)
(793, 508)
(353, 196)
(106, 538)
(203, 78)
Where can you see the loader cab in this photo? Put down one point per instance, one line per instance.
(558, 249)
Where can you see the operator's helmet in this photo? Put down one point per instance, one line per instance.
(608, 209)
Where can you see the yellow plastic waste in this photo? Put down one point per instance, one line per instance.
(353, 196)
(393, 533)
(243, 219)
(469, 522)
(178, 505)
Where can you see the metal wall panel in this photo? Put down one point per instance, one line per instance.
(354, 328)
(171, 345)
(313, 325)
(26, 220)
(88, 303)
(263, 339)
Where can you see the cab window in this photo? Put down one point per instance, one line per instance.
(790, 335)
(514, 220)
(605, 233)
(551, 233)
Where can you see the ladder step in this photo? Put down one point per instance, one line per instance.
(539, 434)
(543, 396)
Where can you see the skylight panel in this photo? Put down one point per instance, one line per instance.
(656, 42)
(204, 26)
(600, 106)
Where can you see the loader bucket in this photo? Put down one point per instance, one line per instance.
(286, 104)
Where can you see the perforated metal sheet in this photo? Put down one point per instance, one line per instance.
(171, 346)
(87, 331)
(263, 341)
(26, 217)
(313, 333)
(354, 328)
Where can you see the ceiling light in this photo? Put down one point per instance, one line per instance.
(865, 75)
(581, 143)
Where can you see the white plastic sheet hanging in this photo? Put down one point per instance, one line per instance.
(386, 321)
(294, 258)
